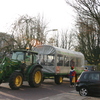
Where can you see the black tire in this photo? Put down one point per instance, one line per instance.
(16, 80)
(58, 79)
(36, 77)
(83, 91)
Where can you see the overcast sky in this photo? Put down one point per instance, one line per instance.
(59, 15)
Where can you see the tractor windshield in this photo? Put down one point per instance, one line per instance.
(18, 56)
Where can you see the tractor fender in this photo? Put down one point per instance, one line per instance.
(15, 71)
(34, 67)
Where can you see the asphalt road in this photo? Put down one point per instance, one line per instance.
(47, 91)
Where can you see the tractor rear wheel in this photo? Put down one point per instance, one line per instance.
(16, 80)
(36, 77)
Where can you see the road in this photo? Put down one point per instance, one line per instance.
(47, 91)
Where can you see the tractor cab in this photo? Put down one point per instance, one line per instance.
(25, 56)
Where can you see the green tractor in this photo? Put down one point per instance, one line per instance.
(21, 67)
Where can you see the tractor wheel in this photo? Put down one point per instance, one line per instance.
(58, 79)
(16, 80)
(35, 78)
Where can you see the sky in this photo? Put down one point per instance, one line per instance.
(57, 13)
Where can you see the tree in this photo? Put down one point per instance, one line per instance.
(67, 40)
(88, 23)
(5, 44)
(40, 27)
(87, 8)
(28, 31)
(89, 43)
(63, 40)
(51, 41)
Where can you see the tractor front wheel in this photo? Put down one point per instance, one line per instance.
(16, 80)
(36, 77)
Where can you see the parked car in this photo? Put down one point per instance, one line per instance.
(88, 83)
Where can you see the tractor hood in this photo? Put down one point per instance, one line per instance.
(7, 66)
(8, 62)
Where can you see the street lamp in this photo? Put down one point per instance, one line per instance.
(51, 30)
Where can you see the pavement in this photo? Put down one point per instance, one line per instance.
(73, 95)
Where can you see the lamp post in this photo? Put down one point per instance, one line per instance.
(51, 30)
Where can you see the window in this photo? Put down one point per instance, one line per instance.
(78, 62)
(35, 58)
(94, 77)
(18, 56)
(28, 59)
(72, 62)
(66, 61)
(60, 60)
(48, 60)
(84, 77)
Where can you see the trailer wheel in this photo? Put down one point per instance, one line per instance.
(16, 80)
(58, 79)
(36, 77)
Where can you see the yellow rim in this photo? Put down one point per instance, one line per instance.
(61, 79)
(37, 77)
(18, 81)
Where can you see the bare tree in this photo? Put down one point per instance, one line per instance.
(88, 12)
(5, 44)
(41, 26)
(57, 39)
(51, 41)
(87, 9)
(63, 40)
(28, 31)
(67, 40)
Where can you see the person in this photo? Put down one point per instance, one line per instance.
(72, 76)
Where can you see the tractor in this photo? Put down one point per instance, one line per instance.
(22, 66)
